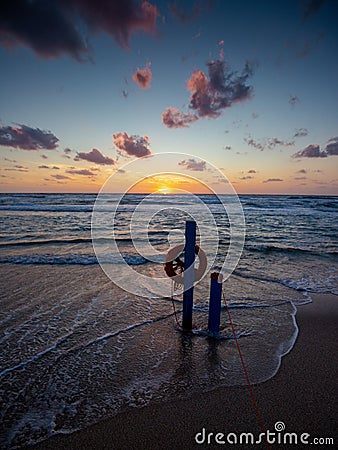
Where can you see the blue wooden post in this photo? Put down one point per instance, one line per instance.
(215, 303)
(189, 273)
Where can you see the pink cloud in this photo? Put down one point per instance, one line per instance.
(173, 118)
(143, 77)
(132, 145)
(209, 96)
(95, 156)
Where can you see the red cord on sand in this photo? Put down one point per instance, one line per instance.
(259, 417)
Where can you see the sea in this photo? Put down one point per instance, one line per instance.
(91, 326)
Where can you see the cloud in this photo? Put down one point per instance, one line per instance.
(293, 100)
(50, 28)
(301, 132)
(227, 147)
(256, 144)
(27, 138)
(210, 96)
(142, 77)
(272, 180)
(67, 151)
(16, 169)
(301, 171)
(49, 167)
(300, 178)
(247, 177)
(311, 151)
(192, 164)
(95, 156)
(10, 160)
(332, 147)
(223, 88)
(44, 156)
(268, 143)
(311, 7)
(61, 177)
(132, 145)
(85, 172)
(252, 171)
(274, 142)
(173, 118)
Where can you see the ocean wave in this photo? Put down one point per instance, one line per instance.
(70, 259)
(47, 208)
(327, 285)
(70, 241)
(266, 248)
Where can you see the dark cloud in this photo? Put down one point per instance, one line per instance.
(272, 180)
(210, 96)
(332, 147)
(311, 151)
(301, 171)
(44, 156)
(256, 144)
(301, 132)
(85, 172)
(132, 145)
(192, 164)
(95, 156)
(16, 169)
(173, 118)
(67, 151)
(27, 138)
(142, 77)
(227, 147)
(51, 28)
(61, 177)
(293, 100)
(223, 88)
(268, 143)
(49, 167)
(274, 142)
(10, 160)
(311, 7)
(247, 177)
(300, 178)
(252, 171)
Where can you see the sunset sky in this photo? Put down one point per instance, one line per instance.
(249, 86)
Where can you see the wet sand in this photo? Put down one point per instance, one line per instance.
(302, 395)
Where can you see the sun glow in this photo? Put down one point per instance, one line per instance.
(165, 190)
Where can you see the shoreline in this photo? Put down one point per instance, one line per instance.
(301, 395)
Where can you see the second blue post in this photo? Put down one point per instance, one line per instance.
(215, 303)
(189, 273)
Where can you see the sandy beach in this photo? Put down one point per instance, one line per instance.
(301, 395)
